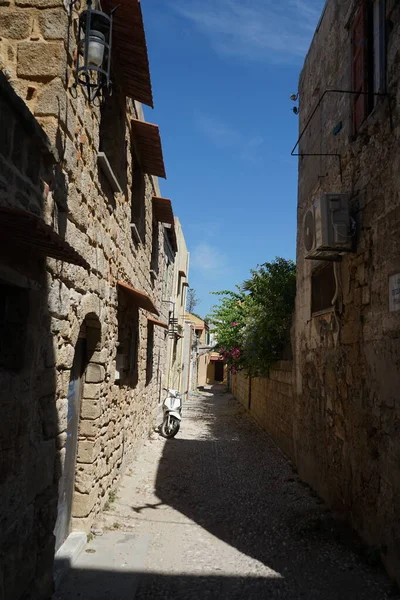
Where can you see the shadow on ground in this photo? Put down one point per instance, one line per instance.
(226, 476)
(236, 484)
(109, 585)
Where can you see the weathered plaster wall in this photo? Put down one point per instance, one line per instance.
(347, 366)
(270, 402)
(37, 44)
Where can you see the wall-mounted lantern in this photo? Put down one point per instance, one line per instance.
(94, 50)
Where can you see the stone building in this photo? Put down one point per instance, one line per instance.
(178, 350)
(206, 365)
(347, 323)
(86, 263)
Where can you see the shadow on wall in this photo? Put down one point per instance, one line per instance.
(29, 426)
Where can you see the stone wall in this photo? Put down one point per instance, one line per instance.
(37, 46)
(347, 411)
(270, 401)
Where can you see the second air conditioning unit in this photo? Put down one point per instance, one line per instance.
(328, 228)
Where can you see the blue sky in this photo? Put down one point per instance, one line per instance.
(222, 74)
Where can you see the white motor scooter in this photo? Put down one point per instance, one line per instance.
(172, 413)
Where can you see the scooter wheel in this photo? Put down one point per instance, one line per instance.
(170, 427)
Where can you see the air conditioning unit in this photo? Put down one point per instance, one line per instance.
(328, 228)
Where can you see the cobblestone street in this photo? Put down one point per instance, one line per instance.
(219, 512)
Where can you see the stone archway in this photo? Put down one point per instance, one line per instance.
(82, 422)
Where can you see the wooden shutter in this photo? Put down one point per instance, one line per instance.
(359, 66)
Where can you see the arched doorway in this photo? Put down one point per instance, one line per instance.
(87, 343)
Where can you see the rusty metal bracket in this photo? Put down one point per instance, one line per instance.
(335, 154)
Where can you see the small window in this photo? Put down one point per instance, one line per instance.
(127, 371)
(14, 311)
(150, 352)
(138, 199)
(322, 289)
(379, 46)
(155, 250)
(112, 142)
(166, 276)
(368, 58)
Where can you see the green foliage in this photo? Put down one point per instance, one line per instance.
(252, 325)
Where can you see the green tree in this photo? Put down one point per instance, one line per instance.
(229, 321)
(273, 290)
(252, 325)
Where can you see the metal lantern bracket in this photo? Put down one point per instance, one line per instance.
(335, 154)
(94, 78)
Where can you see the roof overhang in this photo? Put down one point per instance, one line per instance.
(130, 49)
(163, 213)
(21, 228)
(162, 210)
(186, 284)
(147, 142)
(158, 323)
(139, 298)
(182, 273)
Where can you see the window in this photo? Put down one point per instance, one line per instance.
(138, 200)
(113, 144)
(150, 352)
(155, 246)
(323, 288)
(127, 371)
(14, 310)
(368, 58)
(166, 276)
(379, 45)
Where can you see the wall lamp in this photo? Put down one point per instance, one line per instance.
(294, 98)
(93, 63)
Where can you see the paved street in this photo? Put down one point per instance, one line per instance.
(219, 513)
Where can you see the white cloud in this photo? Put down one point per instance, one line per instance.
(224, 136)
(254, 29)
(221, 134)
(208, 260)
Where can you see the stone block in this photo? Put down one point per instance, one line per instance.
(38, 3)
(87, 451)
(84, 480)
(40, 60)
(95, 373)
(58, 299)
(101, 357)
(14, 24)
(62, 414)
(91, 391)
(89, 428)
(54, 24)
(91, 409)
(65, 356)
(52, 100)
(83, 504)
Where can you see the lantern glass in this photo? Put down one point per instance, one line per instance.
(96, 48)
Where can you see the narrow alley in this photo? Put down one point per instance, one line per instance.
(218, 512)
